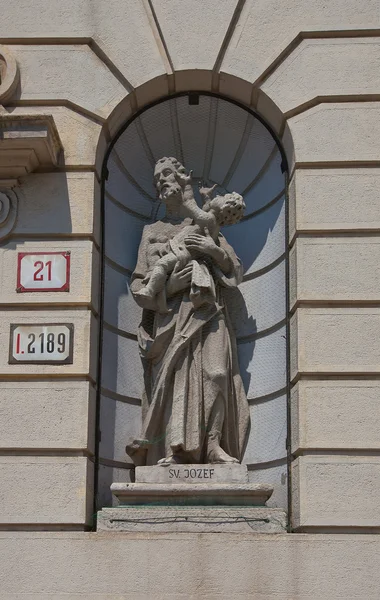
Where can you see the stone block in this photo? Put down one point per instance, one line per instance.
(56, 19)
(189, 519)
(189, 80)
(342, 132)
(84, 333)
(325, 67)
(68, 72)
(340, 340)
(335, 414)
(84, 258)
(127, 37)
(56, 204)
(270, 112)
(336, 269)
(47, 415)
(336, 491)
(192, 494)
(266, 28)
(335, 199)
(81, 566)
(239, 89)
(174, 17)
(192, 474)
(78, 133)
(27, 144)
(45, 490)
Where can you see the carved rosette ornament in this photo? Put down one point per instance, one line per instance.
(9, 75)
(8, 211)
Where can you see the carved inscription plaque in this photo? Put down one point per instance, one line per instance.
(194, 473)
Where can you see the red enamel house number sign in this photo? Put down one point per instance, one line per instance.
(43, 272)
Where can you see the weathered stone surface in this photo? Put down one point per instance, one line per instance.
(325, 67)
(84, 566)
(336, 491)
(335, 340)
(227, 473)
(55, 19)
(68, 72)
(56, 204)
(47, 415)
(45, 489)
(183, 519)
(324, 199)
(204, 494)
(355, 276)
(334, 414)
(127, 36)
(265, 29)
(346, 131)
(175, 16)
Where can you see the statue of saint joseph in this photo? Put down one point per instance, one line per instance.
(194, 407)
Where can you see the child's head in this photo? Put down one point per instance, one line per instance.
(228, 209)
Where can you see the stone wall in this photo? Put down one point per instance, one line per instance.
(311, 70)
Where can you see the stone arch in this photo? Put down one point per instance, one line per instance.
(145, 100)
(196, 80)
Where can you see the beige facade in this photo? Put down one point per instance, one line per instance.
(311, 70)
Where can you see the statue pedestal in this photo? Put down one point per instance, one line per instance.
(192, 498)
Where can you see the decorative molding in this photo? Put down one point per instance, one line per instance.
(9, 75)
(8, 209)
(27, 143)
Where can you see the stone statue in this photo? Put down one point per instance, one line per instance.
(194, 407)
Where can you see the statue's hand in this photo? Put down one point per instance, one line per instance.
(180, 279)
(184, 179)
(201, 244)
(204, 244)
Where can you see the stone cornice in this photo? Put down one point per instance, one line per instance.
(27, 143)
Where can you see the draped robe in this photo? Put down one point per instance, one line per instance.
(190, 359)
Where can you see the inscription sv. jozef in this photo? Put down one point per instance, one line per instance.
(191, 473)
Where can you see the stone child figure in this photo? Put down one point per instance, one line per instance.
(194, 407)
(217, 212)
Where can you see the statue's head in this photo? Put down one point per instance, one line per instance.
(169, 178)
(228, 209)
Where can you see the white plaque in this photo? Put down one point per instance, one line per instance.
(42, 343)
(43, 272)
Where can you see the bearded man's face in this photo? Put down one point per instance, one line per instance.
(168, 187)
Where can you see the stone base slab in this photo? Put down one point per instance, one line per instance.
(190, 494)
(209, 473)
(185, 519)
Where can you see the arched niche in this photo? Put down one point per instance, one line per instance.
(224, 143)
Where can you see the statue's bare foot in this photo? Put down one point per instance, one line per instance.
(173, 459)
(217, 455)
(145, 292)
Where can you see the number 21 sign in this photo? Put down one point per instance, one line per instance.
(43, 272)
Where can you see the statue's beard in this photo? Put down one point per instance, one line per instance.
(171, 193)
